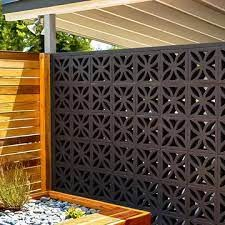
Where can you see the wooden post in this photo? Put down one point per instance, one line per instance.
(45, 122)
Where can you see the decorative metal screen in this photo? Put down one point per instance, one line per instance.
(143, 128)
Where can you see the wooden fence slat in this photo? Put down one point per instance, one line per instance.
(21, 106)
(35, 186)
(35, 174)
(31, 163)
(22, 156)
(19, 123)
(19, 64)
(19, 132)
(36, 192)
(19, 115)
(19, 140)
(13, 90)
(33, 169)
(20, 112)
(19, 81)
(19, 72)
(19, 98)
(19, 55)
(19, 148)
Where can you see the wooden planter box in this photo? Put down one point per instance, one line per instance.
(109, 214)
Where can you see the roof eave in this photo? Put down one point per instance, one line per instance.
(30, 9)
(13, 6)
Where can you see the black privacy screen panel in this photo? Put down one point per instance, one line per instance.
(143, 128)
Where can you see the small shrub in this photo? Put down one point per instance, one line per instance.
(14, 186)
(74, 213)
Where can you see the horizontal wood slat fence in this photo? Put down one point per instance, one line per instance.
(20, 113)
(25, 134)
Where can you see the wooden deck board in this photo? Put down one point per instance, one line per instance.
(94, 219)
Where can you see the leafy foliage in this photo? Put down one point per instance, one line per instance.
(15, 186)
(15, 36)
(74, 213)
(68, 42)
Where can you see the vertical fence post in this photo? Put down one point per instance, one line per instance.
(50, 33)
(45, 122)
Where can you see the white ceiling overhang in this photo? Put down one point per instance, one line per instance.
(139, 23)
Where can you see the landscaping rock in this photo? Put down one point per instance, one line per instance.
(45, 211)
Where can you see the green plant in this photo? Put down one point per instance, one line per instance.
(15, 36)
(74, 213)
(14, 186)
